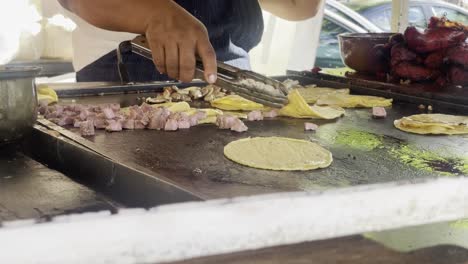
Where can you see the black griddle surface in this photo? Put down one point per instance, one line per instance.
(194, 160)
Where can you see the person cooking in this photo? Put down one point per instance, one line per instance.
(176, 31)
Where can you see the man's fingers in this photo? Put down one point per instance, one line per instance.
(186, 61)
(208, 56)
(159, 58)
(172, 60)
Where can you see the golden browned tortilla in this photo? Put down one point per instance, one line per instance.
(298, 108)
(352, 101)
(433, 124)
(278, 153)
(311, 93)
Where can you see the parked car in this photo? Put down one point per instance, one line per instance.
(338, 19)
(420, 11)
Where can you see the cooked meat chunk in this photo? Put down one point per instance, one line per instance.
(255, 116)
(413, 72)
(108, 113)
(230, 122)
(139, 124)
(158, 120)
(77, 123)
(128, 124)
(435, 60)
(183, 121)
(433, 39)
(458, 76)
(458, 55)
(271, 114)
(66, 121)
(87, 128)
(401, 53)
(225, 121)
(84, 113)
(239, 126)
(379, 112)
(113, 126)
(171, 125)
(310, 127)
(193, 120)
(100, 123)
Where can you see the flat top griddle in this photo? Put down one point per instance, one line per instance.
(365, 151)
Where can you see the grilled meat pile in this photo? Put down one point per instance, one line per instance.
(439, 53)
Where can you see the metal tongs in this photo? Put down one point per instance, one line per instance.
(248, 84)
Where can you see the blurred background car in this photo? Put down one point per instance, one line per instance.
(420, 12)
(338, 19)
(360, 16)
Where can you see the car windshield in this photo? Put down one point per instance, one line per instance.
(342, 14)
(328, 51)
(451, 14)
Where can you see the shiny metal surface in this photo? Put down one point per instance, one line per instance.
(18, 103)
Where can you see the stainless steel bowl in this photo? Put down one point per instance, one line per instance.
(18, 102)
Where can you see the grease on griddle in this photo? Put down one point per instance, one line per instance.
(430, 161)
(355, 139)
(401, 151)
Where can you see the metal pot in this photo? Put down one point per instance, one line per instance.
(18, 102)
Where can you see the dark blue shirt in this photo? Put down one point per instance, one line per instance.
(234, 27)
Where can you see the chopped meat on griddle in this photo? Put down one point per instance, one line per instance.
(146, 108)
(200, 115)
(271, 114)
(255, 116)
(225, 121)
(171, 125)
(310, 126)
(183, 121)
(77, 123)
(157, 121)
(113, 126)
(84, 114)
(108, 113)
(128, 124)
(230, 122)
(66, 121)
(379, 112)
(100, 123)
(87, 128)
(159, 118)
(139, 124)
(239, 126)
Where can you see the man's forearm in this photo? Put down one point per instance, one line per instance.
(117, 15)
(291, 9)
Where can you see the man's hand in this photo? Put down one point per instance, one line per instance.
(293, 10)
(174, 35)
(174, 39)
